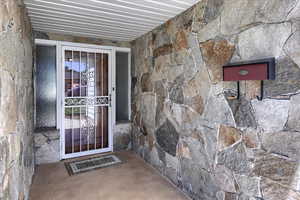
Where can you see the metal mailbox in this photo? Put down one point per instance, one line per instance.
(251, 70)
(263, 69)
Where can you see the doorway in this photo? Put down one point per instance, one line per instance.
(87, 102)
(90, 86)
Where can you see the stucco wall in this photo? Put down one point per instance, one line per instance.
(185, 122)
(16, 101)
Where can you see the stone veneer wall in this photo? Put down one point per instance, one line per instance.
(46, 146)
(122, 136)
(16, 101)
(185, 122)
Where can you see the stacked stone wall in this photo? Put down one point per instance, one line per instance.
(185, 121)
(16, 101)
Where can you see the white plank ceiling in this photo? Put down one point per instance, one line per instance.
(120, 20)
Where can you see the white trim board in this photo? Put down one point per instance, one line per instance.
(77, 44)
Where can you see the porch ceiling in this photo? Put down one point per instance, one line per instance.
(120, 20)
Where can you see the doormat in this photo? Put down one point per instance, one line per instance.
(80, 166)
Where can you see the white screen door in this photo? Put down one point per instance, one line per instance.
(86, 116)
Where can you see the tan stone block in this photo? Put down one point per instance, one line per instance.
(163, 50)
(250, 139)
(183, 150)
(181, 41)
(277, 168)
(8, 100)
(271, 190)
(151, 141)
(4, 17)
(216, 54)
(253, 89)
(228, 136)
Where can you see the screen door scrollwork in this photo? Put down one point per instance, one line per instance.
(86, 101)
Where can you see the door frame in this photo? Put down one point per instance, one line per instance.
(110, 107)
(59, 99)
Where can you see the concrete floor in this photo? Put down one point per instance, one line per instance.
(132, 180)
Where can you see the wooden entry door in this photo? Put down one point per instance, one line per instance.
(86, 125)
